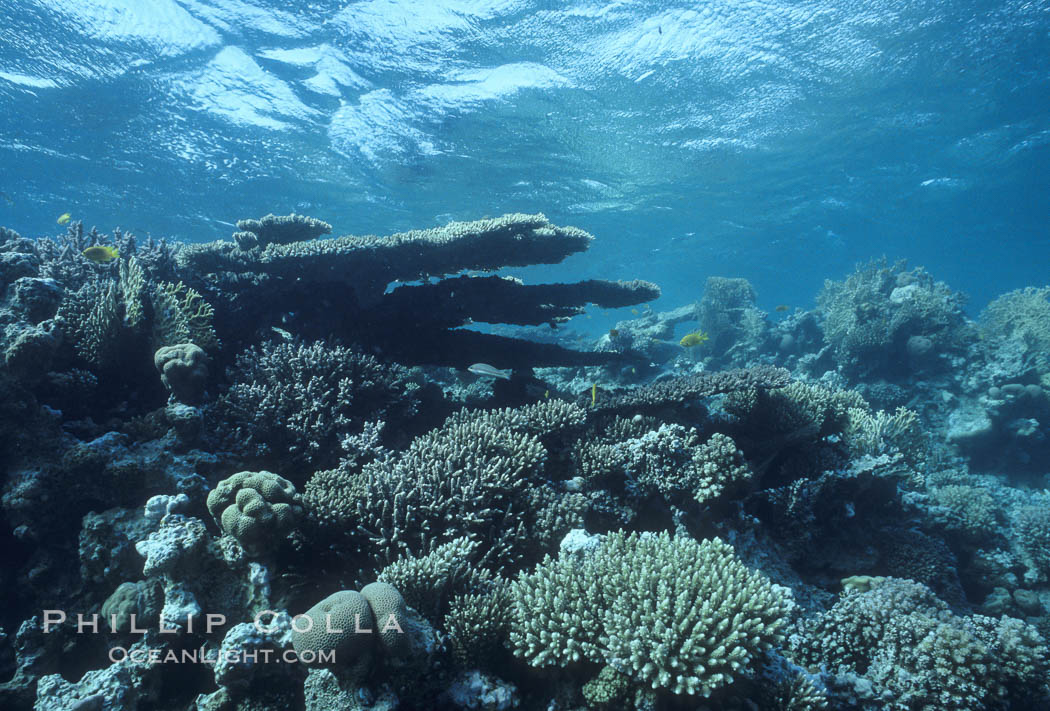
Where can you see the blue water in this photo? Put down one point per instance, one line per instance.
(782, 142)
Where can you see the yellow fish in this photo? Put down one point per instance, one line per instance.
(594, 394)
(64, 218)
(694, 339)
(783, 307)
(100, 254)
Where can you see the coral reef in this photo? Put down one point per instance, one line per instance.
(840, 508)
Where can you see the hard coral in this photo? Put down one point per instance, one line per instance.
(632, 604)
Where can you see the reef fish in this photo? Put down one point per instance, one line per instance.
(101, 254)
(488, 371)
(691, 340)
(64, 218)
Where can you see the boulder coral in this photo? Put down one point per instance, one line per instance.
(256, 508)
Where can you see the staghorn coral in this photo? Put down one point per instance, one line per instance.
(60, 258)
(968, 510)
(670, 460)
(302, 400)
(631, 604)
(465, 478)
(784, 431)
(1030, 528)
(800, 694)
(479, 476)
(477, 625)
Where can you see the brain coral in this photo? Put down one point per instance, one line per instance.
(256, 508)
(344, 613)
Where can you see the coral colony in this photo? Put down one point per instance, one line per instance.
(291, 471)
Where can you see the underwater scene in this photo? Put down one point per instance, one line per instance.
(479, 355)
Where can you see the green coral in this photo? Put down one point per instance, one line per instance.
(670, 613)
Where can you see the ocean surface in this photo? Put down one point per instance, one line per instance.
(601, 355)
(783, 143)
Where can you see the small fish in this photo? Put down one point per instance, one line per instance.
(635, 311)
(486, 370)
(64, 218)
(694, 339)
(783, 307)
(614, 333)
(594, 394)
(100, 254)
(546, 394)
(282, 333)
(7, 198)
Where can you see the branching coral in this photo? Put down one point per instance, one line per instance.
(684, 389)
(671, 460)
(302, 400)
(906, 641)
(181, 315)
(883, 319)
(670, 613)
(467, 478)
(278, 230)
(430, 581)
(1023, 316)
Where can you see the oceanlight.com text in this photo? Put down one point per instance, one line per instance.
(213, 656)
